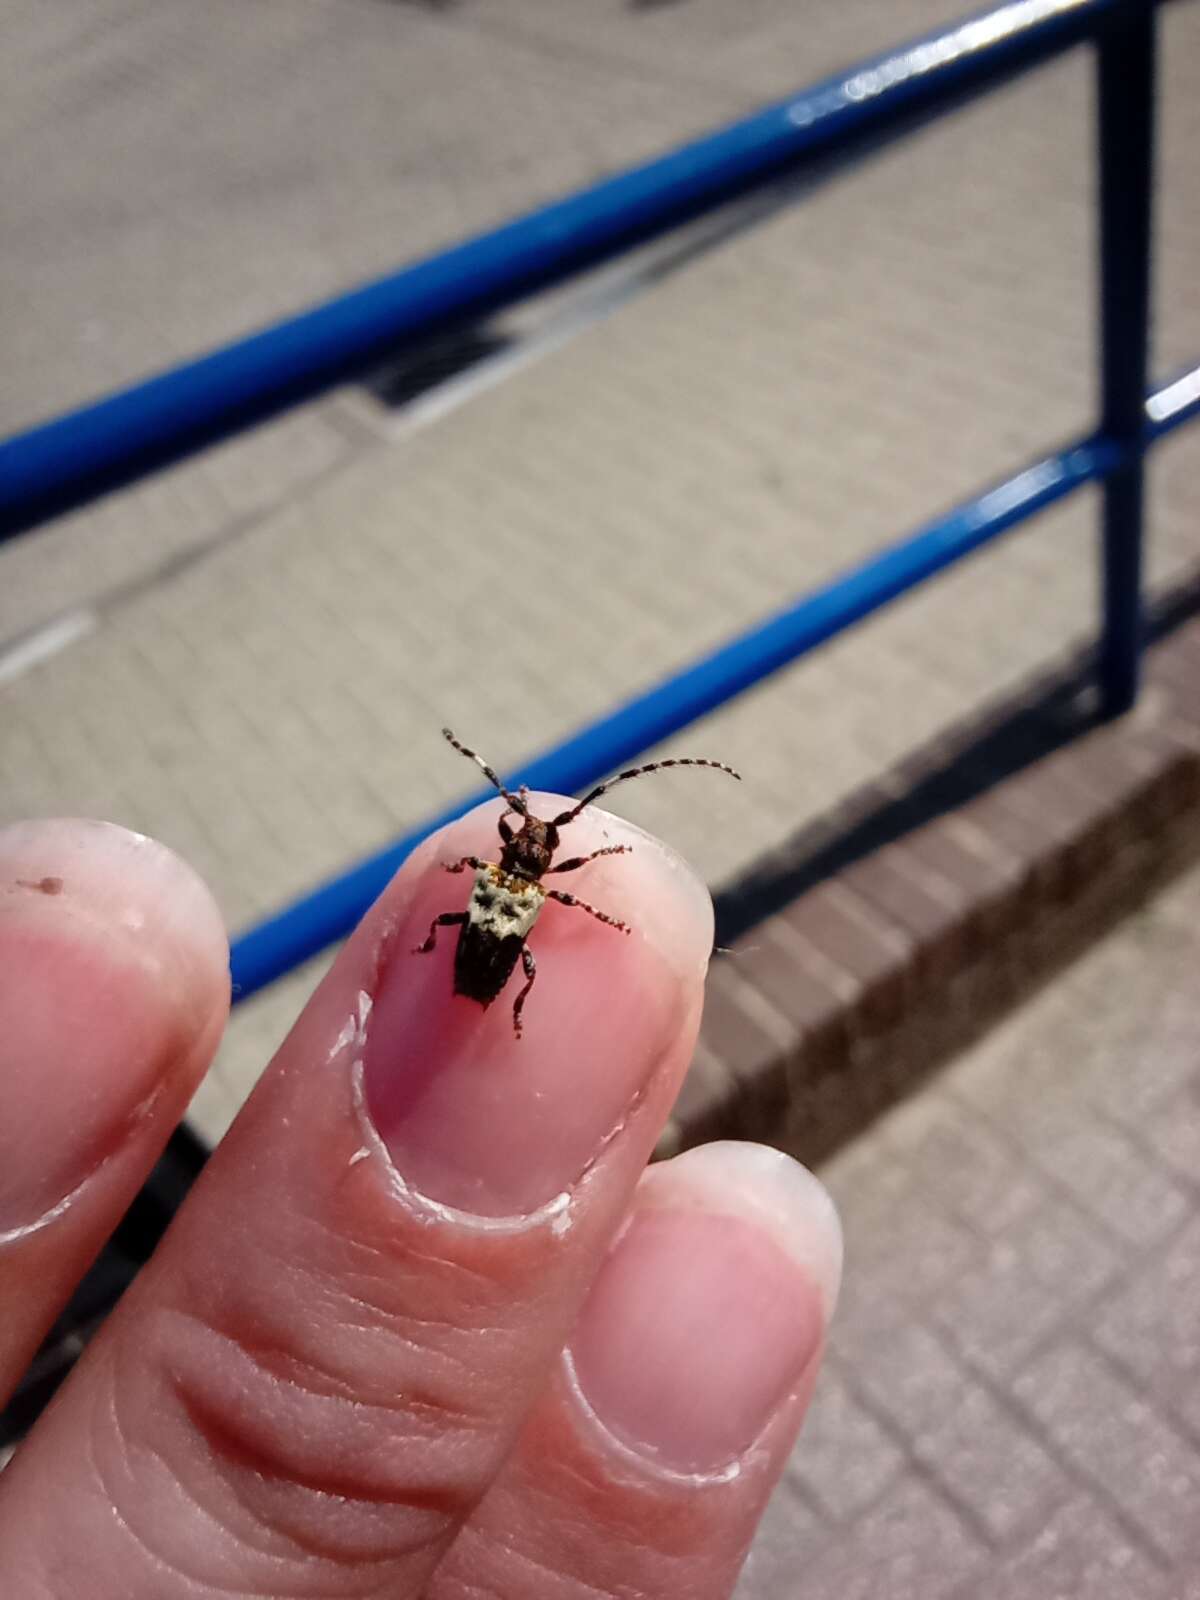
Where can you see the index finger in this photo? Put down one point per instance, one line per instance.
(322, 1371)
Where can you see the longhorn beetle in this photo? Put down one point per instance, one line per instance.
(508, 896)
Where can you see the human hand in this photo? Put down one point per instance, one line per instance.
(388, 1347)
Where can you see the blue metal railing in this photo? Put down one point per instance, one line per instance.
(67, 461)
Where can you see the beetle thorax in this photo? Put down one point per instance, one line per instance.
(532, 850)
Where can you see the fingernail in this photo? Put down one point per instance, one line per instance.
(110, 946)
(498, 1126)
(710, 1307)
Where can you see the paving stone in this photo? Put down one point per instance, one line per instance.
(1144, 1069)
(909, 1545)
(1173, 1132)
(1149, 1325)
(1113, 1436)
(1031, 1085)
(914, 1253)
(963, 1165)
(868, 1182)
(845, 1459)
(1022, 1284)
(1080, 1552)
(986, 1461)
(788, 1539)
(1116, 1182)
(908, 1372)
(94, 556)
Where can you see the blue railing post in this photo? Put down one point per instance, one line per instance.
(1125, 90)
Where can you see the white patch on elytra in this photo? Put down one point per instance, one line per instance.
(504, 906)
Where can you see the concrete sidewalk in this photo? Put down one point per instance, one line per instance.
(1012, 1406)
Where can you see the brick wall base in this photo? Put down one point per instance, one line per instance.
(857, 966)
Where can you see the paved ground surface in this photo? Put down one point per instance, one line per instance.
(270, 637)
(1012, 1408)
(176, 175)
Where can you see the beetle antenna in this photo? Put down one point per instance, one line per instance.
(516, 801)
(638, 772)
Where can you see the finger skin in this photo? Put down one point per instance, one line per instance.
(581, 1511)
(114, 988)
(321, 1372)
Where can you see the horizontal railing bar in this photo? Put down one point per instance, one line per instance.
(64, 462)
(1174, 404)
(303, 929)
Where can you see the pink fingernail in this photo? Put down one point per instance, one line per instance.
(494, 1125)
(702, 1322)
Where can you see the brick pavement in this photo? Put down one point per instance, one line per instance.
(297, 149)
(269, 705)
(1012, 1407)
(294, 154)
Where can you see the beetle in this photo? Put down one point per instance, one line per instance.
(508, 895)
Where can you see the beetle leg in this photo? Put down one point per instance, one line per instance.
(473, 862)
(600, 916)
(448, 919)
(581, 861)
(530, 967)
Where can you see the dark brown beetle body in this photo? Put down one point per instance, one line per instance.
(483, 963)
(508, 897)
